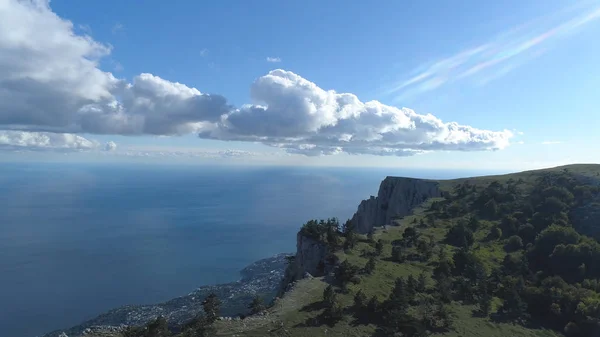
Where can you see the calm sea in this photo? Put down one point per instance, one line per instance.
(77, 240)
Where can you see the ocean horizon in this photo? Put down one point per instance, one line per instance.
(79, 239)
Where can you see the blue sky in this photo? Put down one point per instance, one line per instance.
(527, 67)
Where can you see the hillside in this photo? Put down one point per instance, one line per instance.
(509, 255)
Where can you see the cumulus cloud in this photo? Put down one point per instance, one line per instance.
(44, 141)
(300, 117)
(273, 59)
(50, 82)
(110, 146)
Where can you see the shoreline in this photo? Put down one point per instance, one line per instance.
(260, 278)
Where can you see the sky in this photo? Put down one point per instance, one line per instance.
(505, 85)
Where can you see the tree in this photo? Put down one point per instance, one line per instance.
(212, 307)
(345, 272)
(335, 312)
(329, 296)
(379, 247)
(473, 223)
(444, 266)
(370, 266)
(514, 243)
(395, 308)
(370, 235)
(484, 298)
(350, 234)
(332, 234)
(411, 287)
(157, 328)
(495, 233)
(409, 236)
(460, 236)
(257, 305)
(444, 288)
(425, 249)
(514, 305)
(360, 300)
(399, 299)
(422, 283)
(397, 254)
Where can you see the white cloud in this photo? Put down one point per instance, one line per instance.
(300, 117)
(50, 82)
(44, 141)
(110, 146)
(273, 59)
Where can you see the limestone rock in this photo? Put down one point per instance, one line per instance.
(397, 197)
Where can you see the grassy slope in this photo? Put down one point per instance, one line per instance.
(309, 292)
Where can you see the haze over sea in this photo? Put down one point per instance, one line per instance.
(77, 240)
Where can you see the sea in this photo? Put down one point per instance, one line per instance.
(79, 239)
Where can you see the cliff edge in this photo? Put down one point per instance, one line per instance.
(397, 197)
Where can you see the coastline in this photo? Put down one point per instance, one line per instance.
(260, 278)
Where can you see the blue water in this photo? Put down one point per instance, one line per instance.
(77, 240)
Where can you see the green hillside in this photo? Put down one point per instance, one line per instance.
(510, 255)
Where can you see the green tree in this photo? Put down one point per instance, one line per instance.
(411, 287)
(370, 266)
(212, 307)
(422, 283)
(397, 254)
(514, 243)
(345, 272)
(350, 234)
(329, 296)
(379, 247)
(460, 236)
(424, 249)
(257, 305)
(360, 300)
(495, 233)
(157, 328)
(410, 236)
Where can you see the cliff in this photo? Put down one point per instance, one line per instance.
(396, 197)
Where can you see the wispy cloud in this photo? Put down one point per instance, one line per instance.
(551, 142)
(86, 29)
(496, 57)
(204, 52)
(117, 27)
(273, 59)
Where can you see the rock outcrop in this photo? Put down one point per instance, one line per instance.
(313, 259)
(397, 197)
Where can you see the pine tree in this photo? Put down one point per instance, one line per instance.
(422, 283)
(360, 300)
(411, 287)
(379, 247)
(212, 307)
(257, 305)
(329, 296)
(370, 266)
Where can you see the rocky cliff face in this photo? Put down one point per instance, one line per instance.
(312, 257)
(396, 197)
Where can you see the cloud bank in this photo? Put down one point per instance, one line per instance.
(51, 84)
